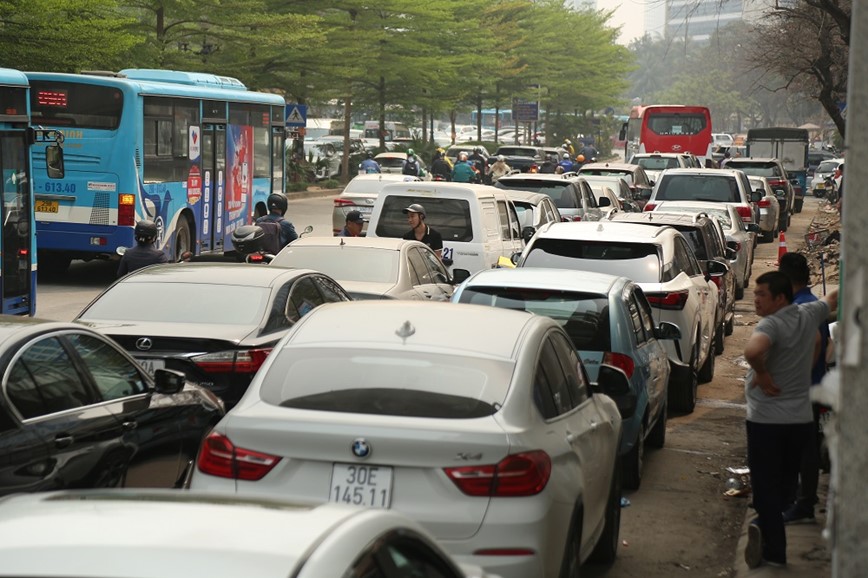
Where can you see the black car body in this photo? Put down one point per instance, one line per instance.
(216, 322)
(76, 411)
(527, 159)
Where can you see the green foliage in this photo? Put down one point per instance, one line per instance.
(296, 186)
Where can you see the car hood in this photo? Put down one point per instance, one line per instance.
(188, 331)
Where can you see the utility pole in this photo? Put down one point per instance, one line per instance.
(850, 472)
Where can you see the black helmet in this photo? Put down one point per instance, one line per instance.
(369, 154)
(146, 231)
(278, 202)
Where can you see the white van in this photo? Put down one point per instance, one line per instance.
(478, 223)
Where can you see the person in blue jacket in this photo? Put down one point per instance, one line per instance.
(369, 165)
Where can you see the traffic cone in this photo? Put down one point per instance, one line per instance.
(782, 247)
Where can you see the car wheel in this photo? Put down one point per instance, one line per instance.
(632, 461)
(683, 396)
(183, 241)
(798, 206)
(718, 340)
(730, 325)
(706, 372)
(657, 435)
(572, 550)
(783, 224)
(607, 546)
(739, 290)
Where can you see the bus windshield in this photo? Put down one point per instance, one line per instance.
(75, 105)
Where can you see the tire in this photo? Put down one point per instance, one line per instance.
(632, 462)
(706, 372)
(572, 559)
(684, 397)
(797, 207)
(718, 340)
(739, 291)
(657, 435)
(783, 224)
(606, 549)
(183, 239)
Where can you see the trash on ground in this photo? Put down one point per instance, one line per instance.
(625, 503)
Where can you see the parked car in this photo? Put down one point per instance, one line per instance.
(739, 236)
(524, 158)
(631, 201)
(772, 219)
(609, 322)
(662, 263)
(478, 223)
(393, 162)
(534, 210)
(655, 163)
(710, 185)
(709, 246)
(216, 322)
(79, 535)
(828, 168)
(607, 200)
(636, 177)
(572, 195)
(778, 179)
(490, 436)
(372, 268)
(78, 412)
(818, 156)
(360, 194)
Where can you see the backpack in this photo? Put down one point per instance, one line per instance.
(410, 167)
(270, 242)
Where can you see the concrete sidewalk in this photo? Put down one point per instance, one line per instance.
(808, 554)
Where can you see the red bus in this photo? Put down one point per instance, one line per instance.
(669, 128)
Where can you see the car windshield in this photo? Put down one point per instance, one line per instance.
(554, 190)
(757, 169)
(449, 217)
(344, 263)
(584, 316)
(180, 303)
(638, 261)
(827, 167)
(406, 382)
(719, 189)
(608, 172)
(656, 163)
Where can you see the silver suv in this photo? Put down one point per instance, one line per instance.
(709, 185)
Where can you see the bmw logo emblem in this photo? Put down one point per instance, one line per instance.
(361, 448)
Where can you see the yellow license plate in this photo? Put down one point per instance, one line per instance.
(47, 206)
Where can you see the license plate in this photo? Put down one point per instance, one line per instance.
(361, 485)
(151, 365)
(47, 206)
(363, 209)
(821, 185)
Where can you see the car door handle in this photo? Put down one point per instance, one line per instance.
(571, 437)
(63, 441)
(129, 425)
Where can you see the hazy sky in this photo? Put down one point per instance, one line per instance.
(629, 15)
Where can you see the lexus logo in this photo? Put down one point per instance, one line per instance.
(360, 448)
(144, 343)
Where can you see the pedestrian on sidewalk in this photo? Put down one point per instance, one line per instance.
(801, 507)
(779, 423)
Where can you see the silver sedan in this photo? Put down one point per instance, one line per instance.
(769, 209)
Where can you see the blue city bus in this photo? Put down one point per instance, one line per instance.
(18, 240)
(196, 153)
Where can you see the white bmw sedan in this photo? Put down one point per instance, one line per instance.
(479, 423)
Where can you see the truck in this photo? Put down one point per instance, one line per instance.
(790, 146)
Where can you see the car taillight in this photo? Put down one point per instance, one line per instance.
(344, 203)
(777, 183)
(219, 457)
(621, 361)
(764, 203)
(576, 218)
(736, 246)
(126, 210)
(241, 361)
(745, 213)
(718, 279)
(533, 168)
(674, 300)
(649, 206)
(524, 474)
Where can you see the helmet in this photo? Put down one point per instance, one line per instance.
(478, 150)
(410, 152)
(276, 201)
(566, 156)
(462, 156)
(415, 208)
(568, 141)
(369, 154)
(501, 158)
(580, 158)
(146, 231)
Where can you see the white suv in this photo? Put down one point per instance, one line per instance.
(709, 185)
(661, 262)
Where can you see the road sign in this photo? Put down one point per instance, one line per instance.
(296, 114)
(525, 110)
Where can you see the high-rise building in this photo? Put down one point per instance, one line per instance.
(697, 20)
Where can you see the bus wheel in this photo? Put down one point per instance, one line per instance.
(183, 241)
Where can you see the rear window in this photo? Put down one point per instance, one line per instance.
(608, 172)
(656, 163)
(719, 189)
(827, 167)
(757, 169)
(517, 152)
(584, 316)
(390, 163)
(553, 189)
(449, 217)
(403, 383)
(637, 261)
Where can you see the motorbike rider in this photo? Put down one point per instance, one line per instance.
(144, 253)
(548, 166)
(589, 151)
(279, 232)
(442, 152)
(566, 163)
(580, 160)
(478, 161)
(440, 168)
(463, 171)
(411, 165)
(498, 168)
(369, 165)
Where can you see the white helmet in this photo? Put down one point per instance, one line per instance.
(501, 158)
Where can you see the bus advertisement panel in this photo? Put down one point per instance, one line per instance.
(669, 128)
(196, 153)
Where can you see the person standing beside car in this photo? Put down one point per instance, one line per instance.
(353, 226)
(144, 253)
(420, 231)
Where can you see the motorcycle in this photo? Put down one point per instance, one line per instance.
(247, 241)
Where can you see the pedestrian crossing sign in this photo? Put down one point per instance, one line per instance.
(296, 115)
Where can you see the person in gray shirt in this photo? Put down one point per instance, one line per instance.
(780, 421)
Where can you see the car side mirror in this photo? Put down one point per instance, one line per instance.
(515, 258)
(667, 330)
(169, 381)
(645, 194)
(612, 381)
(731, 253)
(752, 228)
(756, 196)
(54, 161)
(527, 234)
(460, 276)
(622, 134)
(604, 202)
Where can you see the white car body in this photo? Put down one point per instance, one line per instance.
(607, 200)
(175, 534)
(825, 169)
(360, 194)
(372, 267)
(534, 209)
(769, 209)
(421, 410)
(392, 163)
(706, 185)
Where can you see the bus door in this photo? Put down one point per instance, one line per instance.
(17, 239)
(213, 186)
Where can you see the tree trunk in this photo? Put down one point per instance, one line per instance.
(452, 115)
(345, 161)
(381, 100)
(424, 124)
(479, 117)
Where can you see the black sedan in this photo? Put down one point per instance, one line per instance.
(216, 322)
(76, 411)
